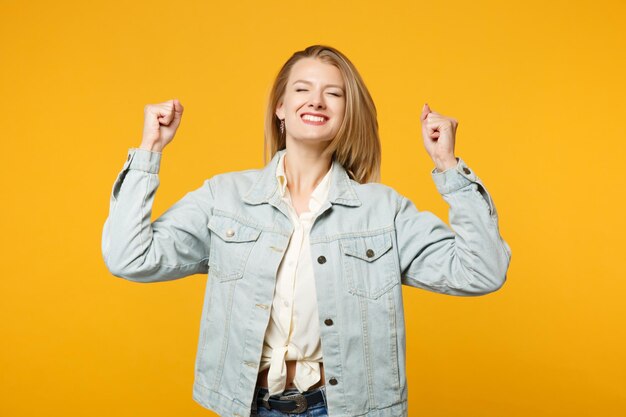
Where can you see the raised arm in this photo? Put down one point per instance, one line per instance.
(173, 246)
(470, 259)
(177, 243)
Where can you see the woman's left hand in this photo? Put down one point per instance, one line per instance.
(439, 133)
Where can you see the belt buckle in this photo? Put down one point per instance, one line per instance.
(301, 403)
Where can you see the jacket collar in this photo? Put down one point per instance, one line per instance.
(265, 188)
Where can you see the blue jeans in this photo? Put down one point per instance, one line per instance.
(317, 410)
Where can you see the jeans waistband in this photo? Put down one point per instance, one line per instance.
(291, 400)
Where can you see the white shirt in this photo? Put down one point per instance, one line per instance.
(293, 331)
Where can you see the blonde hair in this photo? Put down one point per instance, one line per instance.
(357, 144)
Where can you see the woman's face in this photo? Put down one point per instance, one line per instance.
(314, 89)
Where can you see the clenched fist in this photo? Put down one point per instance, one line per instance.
(439, 133)
(160, 124)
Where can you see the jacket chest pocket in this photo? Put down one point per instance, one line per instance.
(231, 244)
(368, 264)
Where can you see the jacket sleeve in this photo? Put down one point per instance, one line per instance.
(468, 260)
(173, 246)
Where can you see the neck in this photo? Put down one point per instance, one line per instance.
(305, 168)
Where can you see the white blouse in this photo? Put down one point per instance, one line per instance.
(293, 331)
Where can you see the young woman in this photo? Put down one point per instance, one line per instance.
(305, 257)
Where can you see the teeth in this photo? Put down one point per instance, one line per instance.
(313, 118)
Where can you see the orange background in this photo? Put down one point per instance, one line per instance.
(539, 92)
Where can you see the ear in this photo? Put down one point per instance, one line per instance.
(280, 112)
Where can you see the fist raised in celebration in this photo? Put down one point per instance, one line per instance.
(439, 134)
(160, 124)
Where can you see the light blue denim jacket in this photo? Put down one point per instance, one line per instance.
(365, 242)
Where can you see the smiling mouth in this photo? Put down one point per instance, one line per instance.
(314, 120)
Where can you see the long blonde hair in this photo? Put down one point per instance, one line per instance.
(357, 145)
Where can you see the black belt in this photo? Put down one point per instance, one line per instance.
(290, 402)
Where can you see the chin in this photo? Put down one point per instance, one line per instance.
(310, 138)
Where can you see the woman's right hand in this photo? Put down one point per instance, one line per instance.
(160, 124)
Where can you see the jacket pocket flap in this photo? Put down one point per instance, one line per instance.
(232, 230)
(368, 248)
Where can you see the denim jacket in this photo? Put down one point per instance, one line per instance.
(366, 241)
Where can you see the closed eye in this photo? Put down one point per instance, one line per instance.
(332, 94)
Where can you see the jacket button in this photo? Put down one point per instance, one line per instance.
(321, 260)
(369, 253)
(230, 233)
(332, 381)
(328, 322)
(466, 170)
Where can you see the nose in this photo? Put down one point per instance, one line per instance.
(317, 100)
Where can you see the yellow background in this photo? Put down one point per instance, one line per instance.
(539, 92)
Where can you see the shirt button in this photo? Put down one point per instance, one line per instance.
(332, 381)
(466, 170)
(321, 260)
(369, 253)
(328, 322)
(230, 233)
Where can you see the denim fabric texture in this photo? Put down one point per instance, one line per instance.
(367, 241)
(318, 410)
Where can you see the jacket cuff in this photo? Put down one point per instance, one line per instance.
(454, 178)
(143, 160)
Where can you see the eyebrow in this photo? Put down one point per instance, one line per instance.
(309, 82)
